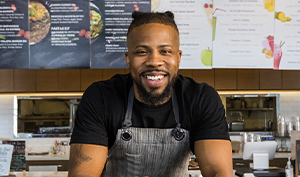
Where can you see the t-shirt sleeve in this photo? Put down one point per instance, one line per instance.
(89, 125)
(210, 116)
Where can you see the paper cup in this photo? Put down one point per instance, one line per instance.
(6, 151)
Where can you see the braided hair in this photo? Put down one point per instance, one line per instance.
(142, 18)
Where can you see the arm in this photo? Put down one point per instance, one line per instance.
(87, 160)
(214, 157)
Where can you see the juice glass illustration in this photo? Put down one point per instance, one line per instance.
(277, 56)
(269, 5)
(214, 21)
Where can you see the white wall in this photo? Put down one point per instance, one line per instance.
(6, 116)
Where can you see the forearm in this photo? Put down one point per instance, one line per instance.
(214, 157)
(87, 160)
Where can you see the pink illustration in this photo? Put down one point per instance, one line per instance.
(272, 50)
(277, 55)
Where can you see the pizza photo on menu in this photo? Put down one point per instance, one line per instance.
(39, 20)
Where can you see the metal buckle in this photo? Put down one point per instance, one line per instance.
(126, 135)
(178, 134)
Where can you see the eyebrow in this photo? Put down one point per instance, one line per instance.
(147, 47)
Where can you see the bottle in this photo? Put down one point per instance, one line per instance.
(289, 172)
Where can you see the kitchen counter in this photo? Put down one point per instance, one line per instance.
(39, 174)
(47, 157)
(277, 155)
(66, 156)
(56, 174)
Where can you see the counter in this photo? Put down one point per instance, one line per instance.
(52, 174)
(278, 155)
(47, 157)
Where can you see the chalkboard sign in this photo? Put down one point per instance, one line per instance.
(18, 161)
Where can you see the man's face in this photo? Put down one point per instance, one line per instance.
(153, 58)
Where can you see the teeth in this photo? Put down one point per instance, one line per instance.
(155, 78)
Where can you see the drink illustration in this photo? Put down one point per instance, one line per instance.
(269, 5)
(277, 54)
(214, 22)
(208, 8)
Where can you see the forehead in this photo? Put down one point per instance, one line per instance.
(153, 32)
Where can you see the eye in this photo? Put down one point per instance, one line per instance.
(141, 52)
(165, 51)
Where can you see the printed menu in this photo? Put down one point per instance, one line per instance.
(18, 161)
(194, 21)
(59, 34)
(110, 21)
(244, 34)
(14, 34)
(287, 34)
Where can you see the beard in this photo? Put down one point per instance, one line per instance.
(150, 98)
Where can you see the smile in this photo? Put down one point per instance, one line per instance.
(154, 78)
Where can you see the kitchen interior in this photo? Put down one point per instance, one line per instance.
(41, 113)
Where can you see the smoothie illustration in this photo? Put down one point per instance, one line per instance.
(208, 8)
(214, 22)
(269, 5)
(277, 55)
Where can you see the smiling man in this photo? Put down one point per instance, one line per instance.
(150, 122)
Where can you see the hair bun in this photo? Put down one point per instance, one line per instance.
(169, 14)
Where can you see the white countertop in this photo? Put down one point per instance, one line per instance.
(66, 156)
(47, 157)
(62, 174)
(277, 155)
(39, 174)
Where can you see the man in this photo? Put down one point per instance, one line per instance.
(148, 122)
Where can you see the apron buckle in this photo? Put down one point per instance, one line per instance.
(126, 135)
(178, 134)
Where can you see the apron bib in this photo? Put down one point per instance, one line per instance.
(149, 152)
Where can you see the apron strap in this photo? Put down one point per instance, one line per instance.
(127, 122)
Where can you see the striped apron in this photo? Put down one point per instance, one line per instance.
(152, 152)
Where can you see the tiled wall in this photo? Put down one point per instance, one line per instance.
(6, 116)
(289, 107)
(289, 104)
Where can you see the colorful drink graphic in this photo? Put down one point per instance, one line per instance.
(269, 5)
(214, 21)
(277, 55)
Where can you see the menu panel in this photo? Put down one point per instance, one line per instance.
(287, 35)
(244, 34)
(109, 43)
(194, 21)
(59, 34)
(18, 161)
(14, 34)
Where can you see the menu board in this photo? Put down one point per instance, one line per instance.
(18, 161)
(110, 20)
(14, 34)
(244, 34)
(59, 34)
(287, 35)
(194, 21)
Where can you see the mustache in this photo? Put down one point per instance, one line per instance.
(157, 70)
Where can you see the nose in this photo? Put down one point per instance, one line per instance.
(154, 60)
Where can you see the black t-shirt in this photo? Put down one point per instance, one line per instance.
(103, 106)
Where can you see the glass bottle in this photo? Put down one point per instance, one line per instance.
(289, 172)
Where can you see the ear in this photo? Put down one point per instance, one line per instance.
(127, 59)
(179, 54)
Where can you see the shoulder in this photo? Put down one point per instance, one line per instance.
(117, 84)
(188, 87)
